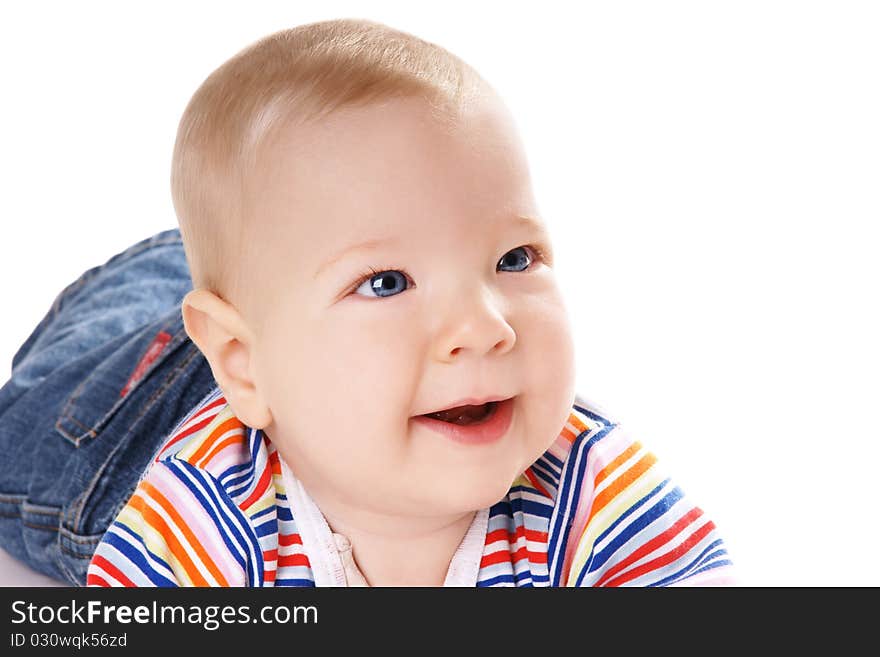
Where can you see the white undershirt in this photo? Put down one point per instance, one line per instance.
(330, 554)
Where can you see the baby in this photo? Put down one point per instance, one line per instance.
(373, 290)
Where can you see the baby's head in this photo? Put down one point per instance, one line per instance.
(365, 248)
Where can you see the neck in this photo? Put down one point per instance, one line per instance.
(399, 551)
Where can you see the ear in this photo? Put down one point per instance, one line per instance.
(221, 334)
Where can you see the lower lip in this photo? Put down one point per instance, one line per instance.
(474, 434)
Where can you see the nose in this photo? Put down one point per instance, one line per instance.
(475, 324)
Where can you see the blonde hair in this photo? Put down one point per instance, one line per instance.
(296, 76)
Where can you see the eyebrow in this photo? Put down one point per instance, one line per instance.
(529, 223)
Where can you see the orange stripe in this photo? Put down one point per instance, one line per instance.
(568, 434)
(624, 480)
(152, 518)
(201, 423)
(187, 532)
(217, 448)
(576, 421)
(215, 434)
(623, 456)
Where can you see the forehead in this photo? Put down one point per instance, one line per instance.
(386, 169)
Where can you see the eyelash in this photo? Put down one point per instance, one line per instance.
(367, 275)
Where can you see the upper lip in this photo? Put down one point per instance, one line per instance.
(469, 401)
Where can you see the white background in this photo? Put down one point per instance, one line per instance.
(709, 172)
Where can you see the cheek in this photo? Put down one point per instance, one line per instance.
(370, 366)
(549, 369)
(547, 337)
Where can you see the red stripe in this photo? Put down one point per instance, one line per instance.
(262, 485)
(502, 556)
(653, 544)
(270, 555)
(274, 462)
(220, 401)
(96, 580)
(298, 559)
(269, 575)
(290, 539)
(534, 479)
(662, 560)
(521, 532)
(183, 434)
(519, 537)
(112, 570)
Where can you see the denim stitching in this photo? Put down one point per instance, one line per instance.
(41, 513)
(79, 540)
(64, 569)
(49, 528)
(77, 439)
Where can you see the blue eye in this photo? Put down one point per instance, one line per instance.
(515, 261)
(391, 281)
(384, 283)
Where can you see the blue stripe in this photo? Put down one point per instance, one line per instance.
(495, 581)
(237, 524)
(638, 524)
(543, 474)
(224, 526)
(232, 470)
(631, 510)
(259, 514)
(266, 528)
(135, 556)
(294, 582)
(236, 486)
(255, 440)
(714, 564)
(594, 416)
(552, 461)
(570, 487)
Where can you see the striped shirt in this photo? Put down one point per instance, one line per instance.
(595, 509)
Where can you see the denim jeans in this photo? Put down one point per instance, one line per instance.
(95, 389)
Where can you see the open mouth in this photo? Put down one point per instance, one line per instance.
(471, 425)
(465, 415)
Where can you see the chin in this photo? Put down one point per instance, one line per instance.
(473, 495)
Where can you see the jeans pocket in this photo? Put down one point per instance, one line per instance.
(108, 386)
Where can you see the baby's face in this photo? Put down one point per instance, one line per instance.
(461, 305)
